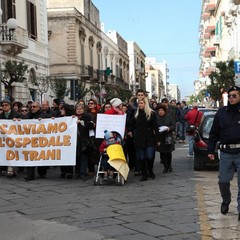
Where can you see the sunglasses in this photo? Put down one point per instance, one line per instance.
(91, 103)
(232, 95)
(24, 110)
(34, 106)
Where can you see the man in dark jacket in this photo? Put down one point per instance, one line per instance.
(8, 113)
(182, 122)
(46, 109)
(36, 113)
(226, 131)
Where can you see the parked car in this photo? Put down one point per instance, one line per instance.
(201, 143)
(207, 109)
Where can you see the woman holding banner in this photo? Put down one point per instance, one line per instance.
(85, 144)
(145, 126)
(67, 171)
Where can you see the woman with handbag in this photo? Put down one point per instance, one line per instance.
(165, 141)
(145, 127)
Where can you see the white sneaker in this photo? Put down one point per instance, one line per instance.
(190, 156)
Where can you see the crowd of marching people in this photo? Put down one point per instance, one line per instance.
(150, 126)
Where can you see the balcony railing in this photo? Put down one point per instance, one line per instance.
(13, 42)
(86, 71)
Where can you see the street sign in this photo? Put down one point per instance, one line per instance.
(237, 67)
(237, 72)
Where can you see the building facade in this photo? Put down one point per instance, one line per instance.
(27, 43)
(219, 36)
(136, 67)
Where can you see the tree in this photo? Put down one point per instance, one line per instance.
(13, 72)
(41, 82)
(222, 79)
(59, 87)
(81, 89)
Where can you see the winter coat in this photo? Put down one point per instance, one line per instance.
(83, 132)
(194, 117)
(182, 113)
(144, 130)
(165, 120)
(13, 114)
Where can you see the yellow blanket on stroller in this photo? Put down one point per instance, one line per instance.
(117, 159)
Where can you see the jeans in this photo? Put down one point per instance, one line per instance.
(227, 165)
(190, 142)
(146, 158)
(182, 130)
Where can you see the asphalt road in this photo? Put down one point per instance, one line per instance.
(174, 206)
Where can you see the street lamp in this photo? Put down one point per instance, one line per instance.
(6, 32)
(8, 29)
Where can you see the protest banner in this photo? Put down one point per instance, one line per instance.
(111, 123)
(33, 142)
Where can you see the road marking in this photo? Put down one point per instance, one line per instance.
(203, 214)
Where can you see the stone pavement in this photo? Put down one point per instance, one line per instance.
(71, 209)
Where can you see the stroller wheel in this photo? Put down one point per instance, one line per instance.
(120, 180)
(97, 180)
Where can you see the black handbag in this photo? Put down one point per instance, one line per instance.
(168, 139)
(88, 145)
(192, 128)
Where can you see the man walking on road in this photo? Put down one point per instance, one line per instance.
(193, 118)
(226, 131)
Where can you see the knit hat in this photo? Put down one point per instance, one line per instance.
(57, 101)
(107, 135)
(5, 101)
(116, 102)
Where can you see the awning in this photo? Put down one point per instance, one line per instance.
(210, 7)
(210, 29)
(207, 54)
(210, 49)
(206, 35)
(205, 16)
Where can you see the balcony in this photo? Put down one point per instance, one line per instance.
(237, 2)
(121, 83)
(210, 7)
(13, 42)
(206, 35)
(86, 71)
(206, 16)
(207, 55)
(210, 70)
(210, 29)
(210, 49)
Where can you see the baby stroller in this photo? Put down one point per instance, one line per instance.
(116, 159)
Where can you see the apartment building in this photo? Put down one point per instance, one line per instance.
(24, 37)
(136, 67)
(219, 36)
(80, 51)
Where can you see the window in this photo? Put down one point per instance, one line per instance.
(32, 20)
(9, 9)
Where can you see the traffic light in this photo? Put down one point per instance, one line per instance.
(108, 71)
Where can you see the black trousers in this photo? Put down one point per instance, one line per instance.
(166, 158)
(42, 171)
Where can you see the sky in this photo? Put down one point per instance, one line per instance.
(163, 29)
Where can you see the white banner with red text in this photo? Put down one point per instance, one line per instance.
(33, 142)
